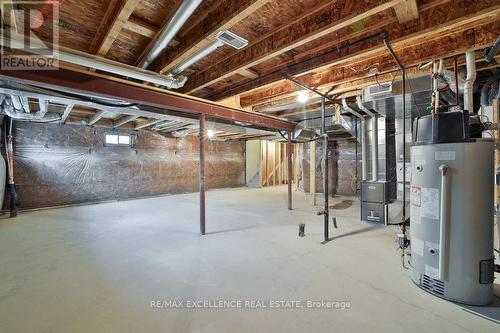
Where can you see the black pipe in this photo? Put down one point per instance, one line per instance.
(303, 86)
(403, 70)
(325, 170)
(296, 66)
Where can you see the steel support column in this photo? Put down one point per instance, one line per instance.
(201, 168)
(325, 170)
(290, 171)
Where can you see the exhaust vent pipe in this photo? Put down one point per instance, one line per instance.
(374, 140)
(470, 61)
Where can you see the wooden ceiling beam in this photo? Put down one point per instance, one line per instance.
(406, 11)
(325, 20)
(224, 17)
(140, 27)
(432, 24)
(119, 19)
(249, 73)
(372, 25)
(447, 46)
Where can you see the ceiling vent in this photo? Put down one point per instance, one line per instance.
(380, 89)
(231, 39)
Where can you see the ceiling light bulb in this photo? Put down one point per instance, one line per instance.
(303, 97)
(210, 134)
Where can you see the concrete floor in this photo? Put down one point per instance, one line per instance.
(97, 269)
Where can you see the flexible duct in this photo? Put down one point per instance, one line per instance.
(35, 117)
(470, 61)
(493, 51)
(486, 90)
(169, 31)
(98, 63)
(374, 138)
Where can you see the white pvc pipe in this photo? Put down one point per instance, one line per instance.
(470, 61)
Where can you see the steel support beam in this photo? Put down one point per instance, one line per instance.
(201, 168)
(108, 87)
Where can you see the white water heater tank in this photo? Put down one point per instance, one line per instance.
(452, 221)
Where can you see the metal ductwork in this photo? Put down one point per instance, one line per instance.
(197, 57)
(488, 92)
(374, 140)
(222, 38)
(14, 109)
(350, 110)
(470, 61)
(493, 51)
(169, 31)
(99, 63)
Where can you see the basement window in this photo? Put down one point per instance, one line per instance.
(115, 139)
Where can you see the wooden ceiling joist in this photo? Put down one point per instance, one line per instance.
(406, 11)
(430, 27)
(225, 16)
(444, 47)
(372, 25)
(118, 21)
(139, 27)
(311, 26)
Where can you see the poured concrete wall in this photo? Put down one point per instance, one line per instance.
(65, 164)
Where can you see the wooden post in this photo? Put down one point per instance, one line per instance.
(312, 177)
(202, 173)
